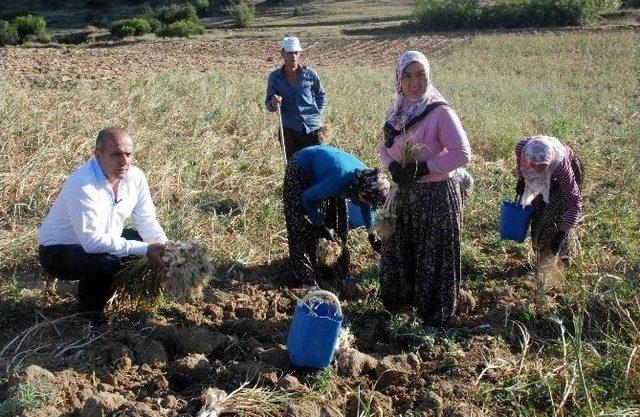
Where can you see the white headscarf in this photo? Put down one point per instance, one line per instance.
(403, 108)
(540, 150)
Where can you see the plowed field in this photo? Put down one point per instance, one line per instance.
(70, 64)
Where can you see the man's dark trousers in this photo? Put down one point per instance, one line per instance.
(95, 271)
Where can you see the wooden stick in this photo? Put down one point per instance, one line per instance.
(282, 146)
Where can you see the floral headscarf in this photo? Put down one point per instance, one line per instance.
(540, 150)
(369, 186)
(403, 108)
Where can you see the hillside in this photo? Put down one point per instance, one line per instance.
(271, 17)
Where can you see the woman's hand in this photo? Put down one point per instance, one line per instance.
(397, 172)
(519, 188)
(375, 242)
(556, 241)
(324, 232)
(390, 134)
(417, 170)
(412, 171)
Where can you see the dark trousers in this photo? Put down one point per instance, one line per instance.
(95, 271)
(303, 237)
(294, 140)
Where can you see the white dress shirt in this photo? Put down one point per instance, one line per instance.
(88, 213)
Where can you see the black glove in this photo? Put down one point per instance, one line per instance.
(324, 231)
(398, 173)
(416, 170)
(519, 188)
(557, 240)
(390, 134)
(375, 242)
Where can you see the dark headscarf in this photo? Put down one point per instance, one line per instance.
(369, 186)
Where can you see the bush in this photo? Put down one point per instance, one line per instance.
(469, 14)
(631, 3)
(201, 6)
(75, 38)
(224, 5)
(446, 14)
(123, 31)
(154, 23)
(42, 37)
(174, 13)
(29, 25)
(8, 34)
(124, 28)
(243, 14)
(182, 28)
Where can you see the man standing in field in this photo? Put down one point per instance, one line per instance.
(83, 236)
(296, 90)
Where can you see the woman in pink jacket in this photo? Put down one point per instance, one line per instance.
(424, 143)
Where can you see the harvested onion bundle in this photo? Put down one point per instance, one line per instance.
(188, 270)
(184, 275)
(328, 251)
(386, 219)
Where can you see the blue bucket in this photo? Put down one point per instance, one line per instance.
(355, 216)
(514, 221)
(315, 330)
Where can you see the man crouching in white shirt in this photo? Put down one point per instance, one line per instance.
(83, 236)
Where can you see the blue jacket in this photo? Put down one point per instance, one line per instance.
(302, 106)
(331, 170)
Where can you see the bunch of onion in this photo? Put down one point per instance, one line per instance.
(144, 285)
(188, 270)
(328, 251)
(386, 217)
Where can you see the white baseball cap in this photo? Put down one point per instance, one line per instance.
(291, 44)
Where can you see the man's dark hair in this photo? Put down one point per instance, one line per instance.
(107, 134)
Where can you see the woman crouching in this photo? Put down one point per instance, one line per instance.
(317, 182)
(550, 177)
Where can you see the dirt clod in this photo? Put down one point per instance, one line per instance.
(191, 369)
(200, 340)
(149, 352)
(291, 383)
(102, 404)
(352, 363)
(303, 409)
(276, 356)
(430, 401)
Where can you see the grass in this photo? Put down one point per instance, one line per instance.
(29, 395)
(322, 381)
(207, 137)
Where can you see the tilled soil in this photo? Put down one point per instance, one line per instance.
(171, 362)
(43, 65)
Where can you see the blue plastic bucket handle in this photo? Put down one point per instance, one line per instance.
(514, 221)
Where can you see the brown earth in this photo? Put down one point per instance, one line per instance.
(44, 65)
(160, 364)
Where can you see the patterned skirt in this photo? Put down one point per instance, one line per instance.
(420, 265)
(547, 217)
(303, 237)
